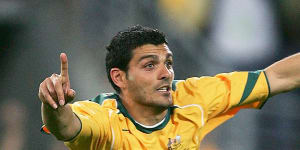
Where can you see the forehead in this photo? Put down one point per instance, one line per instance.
(150, 49)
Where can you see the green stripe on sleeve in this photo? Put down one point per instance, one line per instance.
(251, 81)
(269, 89)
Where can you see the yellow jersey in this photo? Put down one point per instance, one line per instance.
(200, 105)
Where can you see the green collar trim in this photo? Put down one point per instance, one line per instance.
(174, 84)
(139, 127)
(100, 98)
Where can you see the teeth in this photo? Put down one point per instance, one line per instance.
(163, 89)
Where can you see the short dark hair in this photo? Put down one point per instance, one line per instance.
(119, 51)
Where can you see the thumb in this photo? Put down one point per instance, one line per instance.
(70, 95)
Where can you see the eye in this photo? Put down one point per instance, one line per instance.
(149, 65)
(169, 64)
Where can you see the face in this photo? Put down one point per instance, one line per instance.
(150, 75)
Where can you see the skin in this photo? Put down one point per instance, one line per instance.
(54, 93)
(284, 75)
(149, 69)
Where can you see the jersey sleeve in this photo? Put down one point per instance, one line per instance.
(223, 95)
(246, 89)
(95, 127)
(224, 92)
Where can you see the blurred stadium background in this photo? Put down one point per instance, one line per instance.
(206, 36)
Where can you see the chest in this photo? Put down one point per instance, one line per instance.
(181, 132)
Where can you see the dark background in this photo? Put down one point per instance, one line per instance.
(206, 37)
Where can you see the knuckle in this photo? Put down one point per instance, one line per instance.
(54, 81)
(43, 83)
(54, 75)
(51, 78)
(48, 79)
(56, 84)
(51, 91)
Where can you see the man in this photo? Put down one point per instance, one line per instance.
(150, 110)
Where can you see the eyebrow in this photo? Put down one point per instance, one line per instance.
(154, 57)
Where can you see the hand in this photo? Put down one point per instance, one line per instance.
(55, 90)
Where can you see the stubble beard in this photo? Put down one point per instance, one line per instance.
(144, 97)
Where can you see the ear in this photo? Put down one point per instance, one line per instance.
(118, 77)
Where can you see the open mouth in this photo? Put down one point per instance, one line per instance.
(165, 88)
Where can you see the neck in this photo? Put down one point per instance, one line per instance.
(144, 114)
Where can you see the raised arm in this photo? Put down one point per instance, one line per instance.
(54, 93)
(284, 75)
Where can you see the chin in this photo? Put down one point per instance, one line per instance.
(163, 102)
(162, 105)
(169, 103)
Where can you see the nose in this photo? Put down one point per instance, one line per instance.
(165, 73)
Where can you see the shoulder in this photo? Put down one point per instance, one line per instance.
(102, 101)
(104, 97)
(208, 88)
(194, 85)
(211, 81)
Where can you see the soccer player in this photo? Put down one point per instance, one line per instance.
(150, 110)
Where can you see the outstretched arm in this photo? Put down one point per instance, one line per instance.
(284, 75)
(55, 92)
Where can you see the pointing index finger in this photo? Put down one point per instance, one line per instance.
(64, 67)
